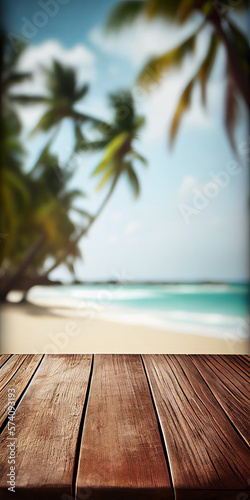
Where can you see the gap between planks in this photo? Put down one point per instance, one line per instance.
(22, 392)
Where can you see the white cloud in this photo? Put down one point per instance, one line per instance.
(142, 40)
(79, 57)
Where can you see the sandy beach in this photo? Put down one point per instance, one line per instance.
(30, 328)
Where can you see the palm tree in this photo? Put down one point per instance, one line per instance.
(40, 205)
(63, 94)
(224, 32)
(118, 139)
(11, 76)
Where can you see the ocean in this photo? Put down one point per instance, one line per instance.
(213, 310)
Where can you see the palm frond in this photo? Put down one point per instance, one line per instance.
(67, 198)
(138, 156)
(86, 146)
(240, 5)
(207, 64)
(82, 212)
(79, 137)
(183, 105)
(48, 120)
(27, 99)
(16, 77)
(45, 153)
(133, 179)
(123, 14)
(162, 8)
(106, 129)
(80, 93)
(139, 122)
(110, 173)
(231, 112)
(17, 183)
(242, 46)
(187, 7)
(154, 70)
(111, 150)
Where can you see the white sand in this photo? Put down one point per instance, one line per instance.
(34, 329)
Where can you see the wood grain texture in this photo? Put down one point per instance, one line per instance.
(208, 458)
(4, 358)
(121, 452)
(47, 426)
(18, 382)
(229, 379)
(9, 369)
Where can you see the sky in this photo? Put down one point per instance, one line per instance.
(184, 226)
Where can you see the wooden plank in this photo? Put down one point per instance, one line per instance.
(241, 364)
(4, 358)
(47, 426)
(18, 382)
(121, 452)
(9, 369)
(208, 458)
(230, 385)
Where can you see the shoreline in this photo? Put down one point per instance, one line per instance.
(30, 328)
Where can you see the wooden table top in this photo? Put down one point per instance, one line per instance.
(121, 427)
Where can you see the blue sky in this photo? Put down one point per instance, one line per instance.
(155, 237)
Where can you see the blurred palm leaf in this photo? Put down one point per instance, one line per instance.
(183, 105)
(207, 65)
(242, 46)
(14, 77)
(119, 152)
(139, 157)
(163, 8)
(26, 99)
(132, 177)
(64, 94)
(231, 111)
(217, 15)
(113, 148)
(157, 66)
(127, 11)
(107, 176)
(202, 74)
(123, 13)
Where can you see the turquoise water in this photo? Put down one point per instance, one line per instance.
(214, 310)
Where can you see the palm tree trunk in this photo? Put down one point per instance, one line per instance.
(24, 264)
(239, 76)
(85, 230)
